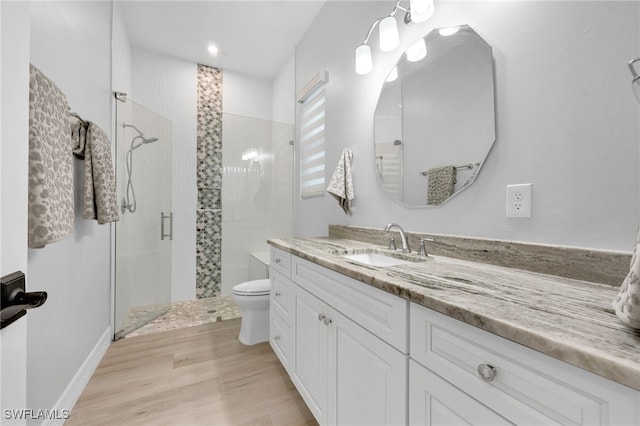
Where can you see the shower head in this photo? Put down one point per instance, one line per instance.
(141, 135)
(145, 140)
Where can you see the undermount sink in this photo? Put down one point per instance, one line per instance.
(377, 258)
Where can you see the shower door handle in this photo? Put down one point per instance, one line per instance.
(163, 235)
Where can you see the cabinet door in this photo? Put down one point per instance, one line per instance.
(309, 372)
(367, 377)
(434, 401)
(280, 339)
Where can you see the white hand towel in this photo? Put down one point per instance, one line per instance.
(627, 303)
(341, 183)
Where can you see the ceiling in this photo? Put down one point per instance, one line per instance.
(254, 37)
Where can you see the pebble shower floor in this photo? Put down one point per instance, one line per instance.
(186, 314)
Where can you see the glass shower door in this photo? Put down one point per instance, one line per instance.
(144, 231)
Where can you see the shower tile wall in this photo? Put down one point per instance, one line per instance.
(209, 182)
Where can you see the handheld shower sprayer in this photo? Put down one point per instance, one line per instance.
(634, 67)
(129, 201)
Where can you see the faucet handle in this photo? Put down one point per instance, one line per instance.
(392, 242)
(422, 251)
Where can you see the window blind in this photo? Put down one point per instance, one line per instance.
(312, 179)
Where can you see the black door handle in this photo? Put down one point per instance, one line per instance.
(14, 301)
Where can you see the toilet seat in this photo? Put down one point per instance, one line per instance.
(253, 288)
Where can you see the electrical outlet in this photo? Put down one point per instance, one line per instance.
(519, 200)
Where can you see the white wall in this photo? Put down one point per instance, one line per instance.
(14, 142)
(246, 95)
(168, 86)
(283, 89)
(70, 43)
(121, 58)
(566, 121)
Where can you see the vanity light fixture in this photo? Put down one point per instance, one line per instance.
(418, 11)
(448, 31)
(417, 51)
(364, 64)
(389, 37)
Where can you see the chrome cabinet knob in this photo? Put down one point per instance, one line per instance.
(278, 293)
(277, 260)
(487, 372)
(327, 321)
(321, 317)
(276, 338)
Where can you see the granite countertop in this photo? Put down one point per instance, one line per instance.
(567, 319)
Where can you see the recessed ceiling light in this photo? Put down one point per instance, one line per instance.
(213, 49)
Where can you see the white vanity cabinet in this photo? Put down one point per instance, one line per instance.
(479, 375)
(341, 363)
(280, 304)
(361, 356)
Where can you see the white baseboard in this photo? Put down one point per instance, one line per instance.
(71, 394)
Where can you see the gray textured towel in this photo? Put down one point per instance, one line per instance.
(627, 303)
(441, 183)
(341, 183)
(99, 190)
(50, 203)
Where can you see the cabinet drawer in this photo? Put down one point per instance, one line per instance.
(281, 295)
(528, 387)
(280, 339)
(280, 261)
(379, 312)
(434, 402)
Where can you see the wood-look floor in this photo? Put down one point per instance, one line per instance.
(199, 375)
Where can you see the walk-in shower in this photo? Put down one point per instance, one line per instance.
(142, 253)
(129, 200)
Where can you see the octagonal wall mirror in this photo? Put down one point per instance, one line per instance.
(435, 122)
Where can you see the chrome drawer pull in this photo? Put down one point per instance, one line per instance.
(487, 372)
(278, 261)
(276, 338)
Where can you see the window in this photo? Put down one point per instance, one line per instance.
(311, 125)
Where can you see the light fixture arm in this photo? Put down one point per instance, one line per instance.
(397, 7)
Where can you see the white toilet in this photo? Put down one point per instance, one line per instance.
(252, 298)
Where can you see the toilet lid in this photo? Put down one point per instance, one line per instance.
(253, 288)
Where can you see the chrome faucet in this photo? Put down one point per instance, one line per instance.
(403, 236)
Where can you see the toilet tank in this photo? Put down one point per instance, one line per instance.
(259, 265)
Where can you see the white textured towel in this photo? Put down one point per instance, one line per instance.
(50, 163)
(341, 183)
(627, 303)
